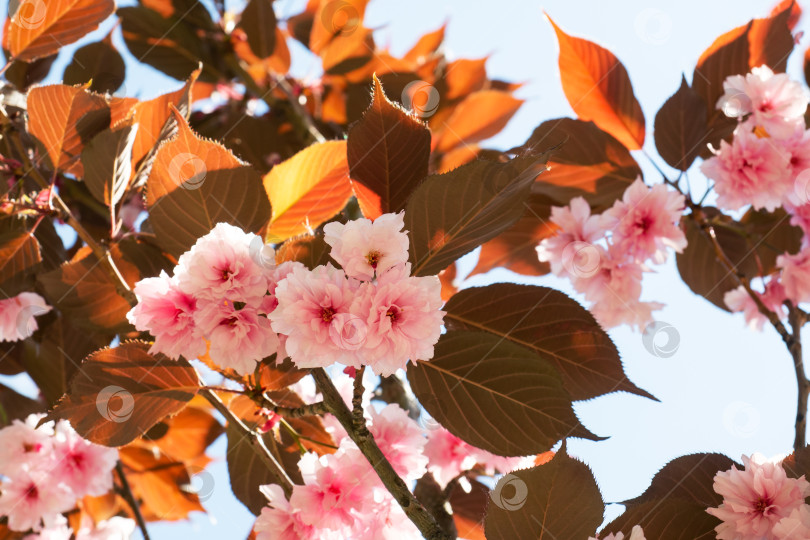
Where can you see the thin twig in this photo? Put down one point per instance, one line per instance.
(263, 452)
(130, 498)
(415, 511)
(797, 320)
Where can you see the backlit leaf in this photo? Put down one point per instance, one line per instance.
(107, 161)
(480, 116)
(119, 393)
(195, 184)
(388, 152)
(307, 189)
(598, 88)
(680, 127)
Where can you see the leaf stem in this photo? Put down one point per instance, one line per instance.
(130, 498)
(263, 452)
(415, 511)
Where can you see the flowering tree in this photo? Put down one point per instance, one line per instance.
(294, 286)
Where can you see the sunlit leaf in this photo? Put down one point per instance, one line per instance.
(479, 116)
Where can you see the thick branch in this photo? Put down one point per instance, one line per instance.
(313, 409)
(396, 486)
(263, 452)
(130, 498)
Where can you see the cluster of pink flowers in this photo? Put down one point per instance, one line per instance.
(17, 315)
(115, 528)
(46, 469)
(342, 496)
(605, 255)
(227, 290)
(761, 502)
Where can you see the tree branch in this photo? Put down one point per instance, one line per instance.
(797, 320)
(130, 498)
(263, 452)
(396, 486)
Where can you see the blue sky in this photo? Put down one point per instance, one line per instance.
(726, 389)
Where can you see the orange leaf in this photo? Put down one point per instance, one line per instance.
(335, 18)
(598, 88)
(63, 118)
(464, 77)
(195, 184)
(307, 189)
(190, 432)
(41, 28)
(480, 116)
(426, 46)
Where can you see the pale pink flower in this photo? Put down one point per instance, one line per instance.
(403, 319)
(738, 300)
(750, 170)
(58, 531)
(796, 526)
(33, 498)
(644, 223)
(577, 226)
(239, 337)
(362, 247)
(336, 489)
(401, 440)
(84, 466)
(17, 315)
(115, 528)
(796, 275)
(280, 521)
(388, 522)
(800, 214)
(635, 534)
(307, 305)
(774, 102)
(492, 463)
(448, 455)
(23, 445)
(756, 499)
(167, 313)
(798, 149)
(274, 277)
(219, 265)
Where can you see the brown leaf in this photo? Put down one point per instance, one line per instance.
(40, 29)
(598, 88)
(388, 152)
(195, 184)
(189, 434)
(65, 118)
(667, 519)
(586, 162)
(309, 250)
(479, 116)
(762, 41)
(451, 214)
(15, 406)
(550, 324)
(557, 500)
(119, 393)
(469, 510)
(246, 469)
(107, 161)
(258, 21)
(680, 127)
(307, 189)
(527, 408)
(19, 257)
(99, 62)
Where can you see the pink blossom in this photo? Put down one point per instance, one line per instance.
(635, 534)
(577, 225)
(239, 337)
(403, 319)
(308, 303)
(796, 275)
(644, 223)
(167, 313)
(280, 521)
(389, 522)
(800, 214)
(274, 277)
(401, 441)
(219, 265)
(447, 455)
(22, 444)
(362, 247)
(756, 499)
(796, 526)
(797, 147)
(82, 465)
(774, 102)
(115, 528)
(31, 497)
(17, 315)
(335, 490)
(58, 531)
(738, 300)
(750, 170)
